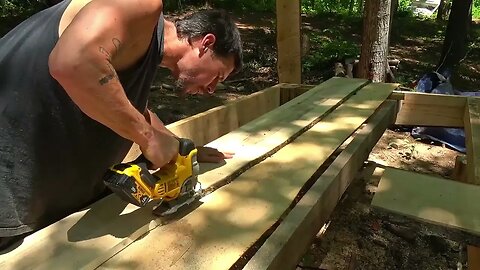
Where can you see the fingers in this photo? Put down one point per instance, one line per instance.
(212, 155)
(227, 155)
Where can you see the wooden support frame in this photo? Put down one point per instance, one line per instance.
(287, 244)
(283, 246)
(288, 41)
(420, 109)
(472, 135)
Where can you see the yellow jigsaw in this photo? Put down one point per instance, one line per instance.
(174, 185)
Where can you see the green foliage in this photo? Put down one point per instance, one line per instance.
(16, 8)
(476, 9)
(327, 51)
(351, 7)
(404, 8)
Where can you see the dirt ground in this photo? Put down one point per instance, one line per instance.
(358, 236)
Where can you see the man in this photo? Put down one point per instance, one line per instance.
(74, 84)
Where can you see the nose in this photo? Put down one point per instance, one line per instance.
(212, 87)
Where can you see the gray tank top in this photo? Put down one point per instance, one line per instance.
(53, 156)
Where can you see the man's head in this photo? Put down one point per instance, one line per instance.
(215, 51)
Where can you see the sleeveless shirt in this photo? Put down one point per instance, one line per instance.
(52, 155)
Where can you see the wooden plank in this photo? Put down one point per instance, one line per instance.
(473, 257)
(260, 138)
(420, 109)
(429, 198)
(289, 242)
(291, 91)
(94, 234)
(207, 126)
(216, 234)
(288, 41)
(472, 140)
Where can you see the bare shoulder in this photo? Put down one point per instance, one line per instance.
(132, 9)
(122, 29)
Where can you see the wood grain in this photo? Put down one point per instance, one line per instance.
(231, 219)
(420, 109)
(289, 242)
(472, 140)
(429, 198)
(93, 235)
(288, 41)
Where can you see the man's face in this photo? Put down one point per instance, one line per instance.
(200, 70)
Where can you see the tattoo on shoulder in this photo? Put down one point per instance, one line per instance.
(116, 42)
(113, 75)
(105, 52)
(108, 77)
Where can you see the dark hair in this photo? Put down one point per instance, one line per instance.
(218, 23)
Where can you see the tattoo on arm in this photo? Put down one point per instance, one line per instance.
(113, 74)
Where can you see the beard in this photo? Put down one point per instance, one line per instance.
(180, 85)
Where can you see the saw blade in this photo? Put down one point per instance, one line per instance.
(171, 207)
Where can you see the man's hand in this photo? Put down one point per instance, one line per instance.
(204, 154)
(212, 155)
(162, 148)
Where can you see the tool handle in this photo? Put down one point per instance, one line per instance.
(145, 164)
(186, 146)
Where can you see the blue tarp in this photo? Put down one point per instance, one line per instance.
(436, 83)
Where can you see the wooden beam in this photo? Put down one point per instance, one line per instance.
(260, 138)
(431, 199)
(288, 41)
(218, 232)
(420, 109)
(291, 91)
(287, 244)
(472, 139)
(473, 257)
(87, 237)
(207, 126)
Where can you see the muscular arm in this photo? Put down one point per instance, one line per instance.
(156, 123)
(104, 36)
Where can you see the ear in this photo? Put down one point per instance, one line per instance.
(208, 41)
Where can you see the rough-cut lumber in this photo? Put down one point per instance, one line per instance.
(232, 218)
(207, 126)
(289, 49)
(258, 139)
(290, 240)
(291, 91)
(473, 257)
(92, 235)
(472, 140)
(420, 109)
(432, 199)
(460, 170)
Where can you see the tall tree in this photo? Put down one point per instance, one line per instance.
(442, 10)
(456, 36)
(373, 58)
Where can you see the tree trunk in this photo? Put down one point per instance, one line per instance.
(456, 36)
(394, 9)
(441, 10)
(373, 58)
